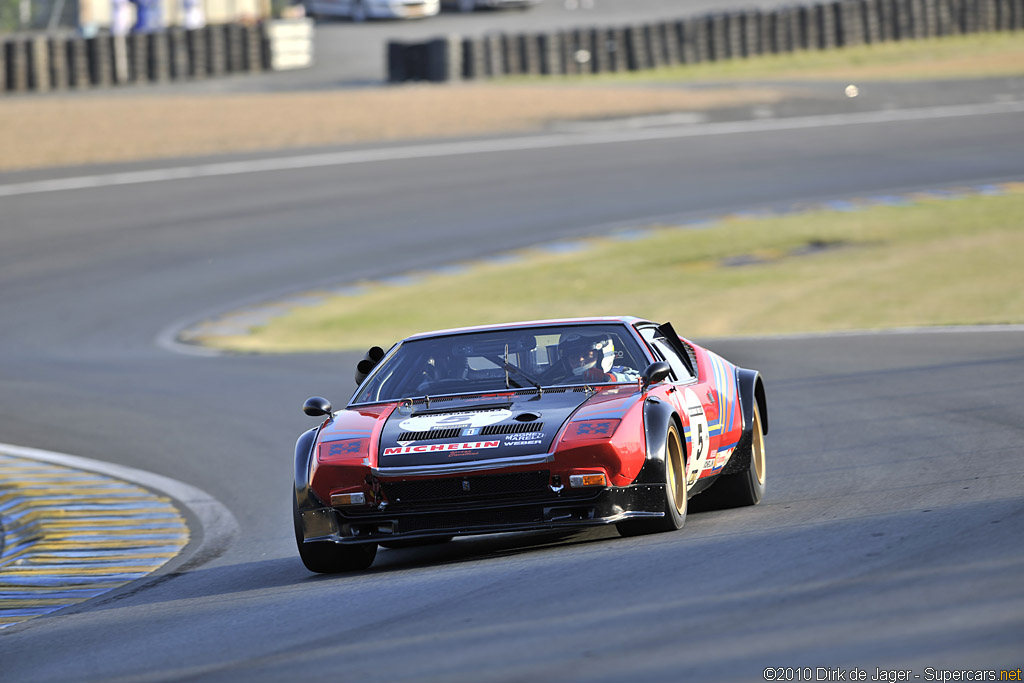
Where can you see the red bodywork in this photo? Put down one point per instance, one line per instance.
(347, 447)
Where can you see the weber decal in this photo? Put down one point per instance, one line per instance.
(535, 442)
(437, 447)
(466, 420)
(528, 436)
(525, 439)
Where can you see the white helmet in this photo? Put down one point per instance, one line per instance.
(583, 353)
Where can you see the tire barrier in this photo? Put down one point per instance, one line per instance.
(44, 62)
(713, 37)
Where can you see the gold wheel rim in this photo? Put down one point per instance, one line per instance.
(675, 467)
(757, 447)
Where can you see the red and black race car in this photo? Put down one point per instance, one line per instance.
(526, 426)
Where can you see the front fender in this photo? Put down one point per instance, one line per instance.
(658, 415)
(304, 496)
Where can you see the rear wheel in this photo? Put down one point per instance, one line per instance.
(325, 557)
(675, 492)
(741, 488)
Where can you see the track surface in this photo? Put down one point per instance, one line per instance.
(891, 534)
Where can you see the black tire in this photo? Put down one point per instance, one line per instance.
(740, 488)
(675, 492)
(324, 557)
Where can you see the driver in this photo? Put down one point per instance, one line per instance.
(592, 359)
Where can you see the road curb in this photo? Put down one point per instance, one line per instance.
(76, 528)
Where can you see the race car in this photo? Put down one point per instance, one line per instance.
(471, 5)
(361, 10)
(542, 425)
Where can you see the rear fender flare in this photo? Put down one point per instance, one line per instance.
(751, 389)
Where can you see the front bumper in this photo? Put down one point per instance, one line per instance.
(573, 509)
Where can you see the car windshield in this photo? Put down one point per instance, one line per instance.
(499, 360)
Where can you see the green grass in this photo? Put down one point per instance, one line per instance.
(938, 262)
(980, 55)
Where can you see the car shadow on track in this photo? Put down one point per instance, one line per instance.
(285, 572)
(472, 548)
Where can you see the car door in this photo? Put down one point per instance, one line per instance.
(692, 398)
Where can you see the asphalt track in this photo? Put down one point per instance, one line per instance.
(890, 536)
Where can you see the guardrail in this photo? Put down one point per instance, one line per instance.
(712, 37)
(46, 62)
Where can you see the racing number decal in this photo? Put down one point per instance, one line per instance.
(700, 439)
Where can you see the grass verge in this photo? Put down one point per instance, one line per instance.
(936, 262)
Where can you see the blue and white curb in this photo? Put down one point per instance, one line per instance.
(74, 529)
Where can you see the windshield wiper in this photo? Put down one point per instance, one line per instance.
(517, 370)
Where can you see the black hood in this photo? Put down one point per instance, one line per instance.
(478, 428)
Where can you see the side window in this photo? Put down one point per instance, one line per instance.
(664, 350)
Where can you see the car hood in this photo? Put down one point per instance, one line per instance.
(474, 429)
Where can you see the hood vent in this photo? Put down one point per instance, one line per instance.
(490, 430)
(520, 428)
(431, 435)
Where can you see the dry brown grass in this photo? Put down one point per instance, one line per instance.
(125, 126)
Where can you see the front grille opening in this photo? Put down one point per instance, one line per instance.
(471, 519)
(518, 484)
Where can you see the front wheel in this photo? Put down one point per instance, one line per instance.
(325, 557)
(675, 492)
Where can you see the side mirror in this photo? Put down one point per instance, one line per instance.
(655, 372)
(368, 363)
(317, 406)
